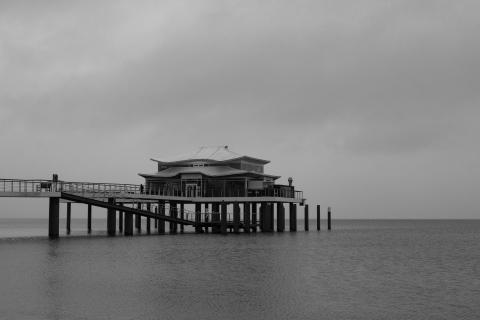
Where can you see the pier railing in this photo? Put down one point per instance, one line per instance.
(109, 189)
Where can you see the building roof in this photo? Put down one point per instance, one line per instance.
(214, 171)
(212, 154)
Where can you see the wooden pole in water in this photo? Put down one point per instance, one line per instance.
(53, 217)
(89, 218)
(318, 217)
(306, 222)
(69, 216)
(293, 217)
(262, 216)
(120, 221)
(156, 219)
(215, 217)
(280, 217)
(246, 217)
(138, 219)
(236, 217)
(254, 216)
(173, 214)
(149, 209)
(111, 217)
(223, 218)
(329, 218)
(198, 217)
(161, 222)
(128, 230)
(182, 216)
(206, 217)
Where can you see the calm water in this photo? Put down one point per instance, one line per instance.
(362, 270)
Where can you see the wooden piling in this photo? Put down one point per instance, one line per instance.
(318, 217)
(266, 211)
(215, 217)
(156, 219)
(306, 222)
(236, 217)
(329, 222)
(293, 217)
(198, 217)
(182, 216)
(254, 216)
(128, 230)
(53, 217)
(138, 219)
(149, 208)
(280, 217)
(161, 222)
(111, 218)
(206, 217)
(69, 216)
(173, 214)
(246, 217)
(89, 218)
(261, 216)
(223, 218)
(120, 221)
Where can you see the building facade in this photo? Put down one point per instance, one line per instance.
(214, 172)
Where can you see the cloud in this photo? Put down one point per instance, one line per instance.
(363, 79)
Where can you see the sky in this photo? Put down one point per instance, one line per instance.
(372, 107)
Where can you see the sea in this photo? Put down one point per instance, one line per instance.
(362, 269)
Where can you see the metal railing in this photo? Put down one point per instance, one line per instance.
(40, 185)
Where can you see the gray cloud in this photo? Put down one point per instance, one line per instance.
(308, 84)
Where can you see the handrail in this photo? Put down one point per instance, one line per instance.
(44, 185)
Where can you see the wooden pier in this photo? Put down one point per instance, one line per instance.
(126, 201)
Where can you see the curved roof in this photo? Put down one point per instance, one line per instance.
(212, 154)
(214, 171)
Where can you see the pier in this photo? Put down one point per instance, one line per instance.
(225, 193)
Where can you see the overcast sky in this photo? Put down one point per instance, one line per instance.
(371, 106)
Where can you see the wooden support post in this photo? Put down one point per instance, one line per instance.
(111, 218)
(161, 222)
(306, 217)
(128, 224)
(182, 216)
(156, 219)
(149, 208)
(89, 218)
(236, 217)
(223, 218)
(120, 221)
(262, 216)
(215, 217)
(293, 217)
(198, 217)
(173, 214)
(206, 217)
(329, 222)
(266, 210)
(246, 217)
(271, 212)
(318, 217)
(138, 219)
(254, 216)
(53, 217)
(280, 217)
(69, 216)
